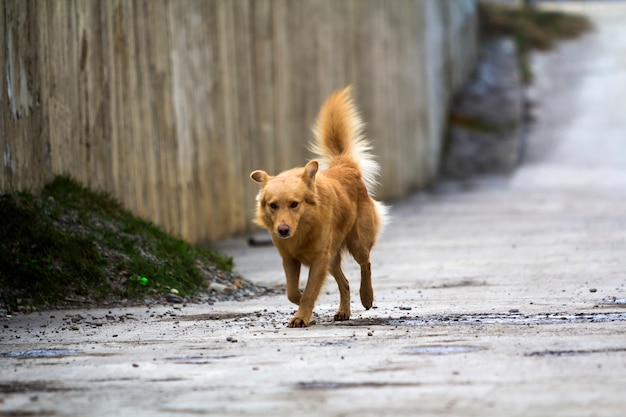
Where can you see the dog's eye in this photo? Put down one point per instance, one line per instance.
(293, 204)
(273, 206)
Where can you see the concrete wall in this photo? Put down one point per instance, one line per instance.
(170, 104)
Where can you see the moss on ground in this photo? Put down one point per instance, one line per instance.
(478, 124)
(70, 244)
(532, 28)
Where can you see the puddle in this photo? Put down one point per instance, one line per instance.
(41, 353)
(439, 350)
(198, 360)
(322, 385)
(613, 302)
(544, 353)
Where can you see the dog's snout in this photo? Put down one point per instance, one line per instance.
(283, 230)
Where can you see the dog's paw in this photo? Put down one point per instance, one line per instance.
(298, 322)
(367, 299)
(342, 316)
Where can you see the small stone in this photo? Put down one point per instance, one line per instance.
(514, 310)
(173, 298)
(220, 288)
(405, 308)
(174, 291)
(593, 289)
(231, 339)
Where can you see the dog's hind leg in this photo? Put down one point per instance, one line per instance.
(361, 254)
(366, 291)
(343, 313)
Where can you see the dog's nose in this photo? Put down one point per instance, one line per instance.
(283, 230)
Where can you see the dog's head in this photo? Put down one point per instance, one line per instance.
(283, 201)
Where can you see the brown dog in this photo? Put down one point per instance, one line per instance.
(314, 215)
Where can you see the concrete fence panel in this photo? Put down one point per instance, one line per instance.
(169, 104)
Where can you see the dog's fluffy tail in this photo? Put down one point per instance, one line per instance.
(339, 133)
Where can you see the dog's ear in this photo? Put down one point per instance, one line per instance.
(259, 177)
(309, 172)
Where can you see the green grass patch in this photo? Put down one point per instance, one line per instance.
(478, 124)
(532, 28)
(71, 244)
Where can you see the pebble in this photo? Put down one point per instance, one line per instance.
(514, 310)
(593, 289)
(221, 288)
(173, 298)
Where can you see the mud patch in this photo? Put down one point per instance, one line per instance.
(479, 319)
(462, 283)
(211, 316)
(171, 379)
(439, 350)
(334, 344)
(19, 387)
(512, 319)
(24, 413)
(324, 385)
(544, 353)
(124, 379)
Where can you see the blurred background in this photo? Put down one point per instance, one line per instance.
(169, 105)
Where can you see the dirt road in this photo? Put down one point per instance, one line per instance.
(506, 297)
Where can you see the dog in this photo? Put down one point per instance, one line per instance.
(316, 213)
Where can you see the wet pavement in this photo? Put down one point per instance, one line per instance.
(499, 296)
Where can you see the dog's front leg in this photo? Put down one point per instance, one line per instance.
(317, 275)
(292, 274)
